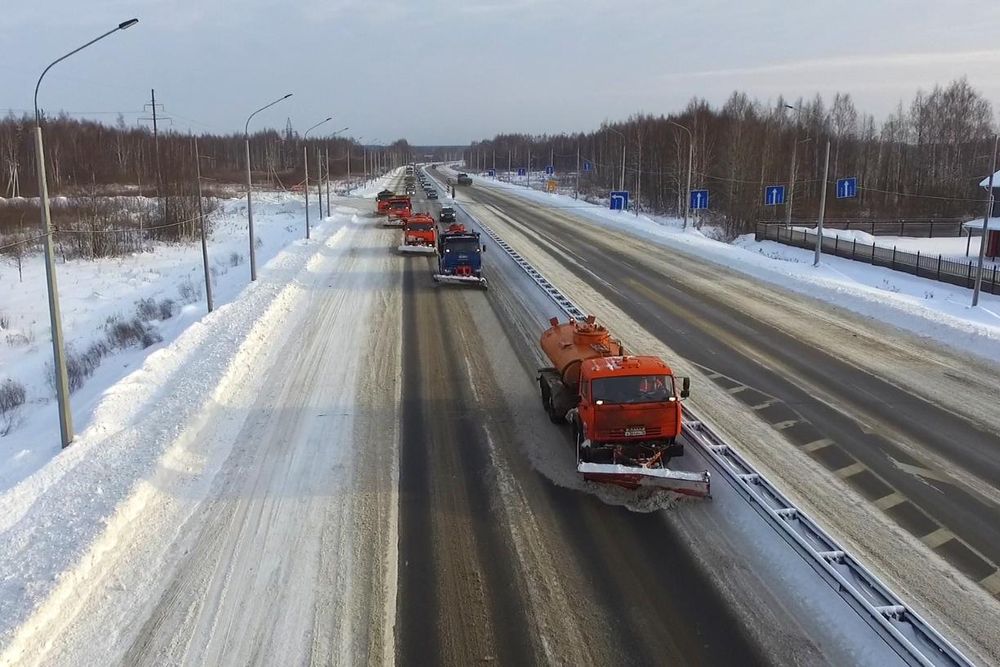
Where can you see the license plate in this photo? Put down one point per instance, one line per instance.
(633, 431)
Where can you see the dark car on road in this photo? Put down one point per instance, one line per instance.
(447, 214)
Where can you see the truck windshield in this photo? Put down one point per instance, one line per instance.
(633, 389)
(462, 245)
(399, 204)
(421, 227)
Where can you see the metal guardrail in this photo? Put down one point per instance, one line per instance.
(932, 267)
(902, 628)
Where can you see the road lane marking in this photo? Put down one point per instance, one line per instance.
(937, 538)
(991, 583)
(736, 390)
(851, 470)
(788, 423)
(811, 447)
(889, 501)
(765, 404)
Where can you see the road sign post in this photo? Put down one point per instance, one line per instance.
(774, 195)
(699, 199)
(619, 200)
(847, 188)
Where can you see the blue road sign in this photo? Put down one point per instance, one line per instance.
(491, 172)
(619, 200)
(549, 169)
(521, 171)
(588, 166)
(699, 199)
(774, 195)
(847, 188)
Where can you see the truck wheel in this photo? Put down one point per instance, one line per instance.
(554, 415)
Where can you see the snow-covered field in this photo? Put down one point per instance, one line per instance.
(118, 311)
(927, 308)
(147, 445)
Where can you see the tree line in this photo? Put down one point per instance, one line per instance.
(90, 165)
(924, 160)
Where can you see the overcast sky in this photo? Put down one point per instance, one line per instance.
(449, 71)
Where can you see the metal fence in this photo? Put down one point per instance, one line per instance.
(915, 227)
(934, 267)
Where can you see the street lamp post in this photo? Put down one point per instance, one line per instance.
(51, 284)
(791, 167)
(246, 141)
(986, 221)
(687, 198)
(305, 166)
(621, 186)
(822, 205)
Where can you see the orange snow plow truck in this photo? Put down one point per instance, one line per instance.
(419, 235)
(625, 410)
(399, 208)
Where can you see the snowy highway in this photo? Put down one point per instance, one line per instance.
(373, 481)
(890, 440)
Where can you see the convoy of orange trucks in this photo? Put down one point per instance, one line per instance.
(625, 410)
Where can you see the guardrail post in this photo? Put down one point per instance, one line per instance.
(836, 245)
(893, 258)
(939, 268)
(873, 246)
(918, 263)
(854, 248)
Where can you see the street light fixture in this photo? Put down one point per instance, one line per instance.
(55, 318)
(687, 199)
(246, 139)
(305, 164)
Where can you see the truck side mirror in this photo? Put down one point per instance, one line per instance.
(685, 387)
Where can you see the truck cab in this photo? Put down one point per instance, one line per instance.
(460, 257)
(420, 230)
(630, 399)
(464, 179)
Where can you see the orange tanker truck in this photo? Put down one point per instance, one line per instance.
(625, 410)
(419, 235)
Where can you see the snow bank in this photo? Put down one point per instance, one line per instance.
(94, 295)
(49, 521)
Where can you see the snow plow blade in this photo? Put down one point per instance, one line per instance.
(392, 222)
(418, 249)
(679, 481)
(460, 280)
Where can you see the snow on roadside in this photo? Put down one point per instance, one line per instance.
(927, 308)
(50, 520)
(96, 296)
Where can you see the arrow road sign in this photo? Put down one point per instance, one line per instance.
(699, 199)
(847, 188)
(587, 166)
(774, 195)
(521, 171)
(619, 200)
